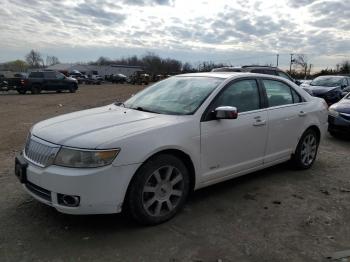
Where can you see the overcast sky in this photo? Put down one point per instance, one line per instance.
(229, 31)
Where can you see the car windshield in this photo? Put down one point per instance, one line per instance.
(174, 96)
(326, 81)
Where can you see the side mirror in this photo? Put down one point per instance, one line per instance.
(226, 112)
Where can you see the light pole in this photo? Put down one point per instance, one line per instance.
(278, 56)
(291, 61)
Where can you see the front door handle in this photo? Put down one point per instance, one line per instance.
(259, 122)
(302, 113)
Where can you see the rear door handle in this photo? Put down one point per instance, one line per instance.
(259, 122)
(302, 113)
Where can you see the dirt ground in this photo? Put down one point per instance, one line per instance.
(273, 215)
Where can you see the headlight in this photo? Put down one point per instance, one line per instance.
(332, 112)
(70, 157)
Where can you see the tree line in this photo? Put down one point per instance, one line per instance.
(154, 64)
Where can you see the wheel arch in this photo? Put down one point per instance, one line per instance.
(185, 158)
(311, 127)
(316, 129)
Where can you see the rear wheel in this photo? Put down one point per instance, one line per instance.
(159, 190)
(35, 90)
(306, 151)
(21, 91)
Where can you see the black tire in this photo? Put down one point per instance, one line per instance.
(22, 92)
(169, 168)
(305, 155)
(73, 89)
(35, 90)
(334, 134)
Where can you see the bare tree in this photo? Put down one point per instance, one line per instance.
(52, 60)
(34, 59)
(103, 61)
(345, 67)
(301, 60)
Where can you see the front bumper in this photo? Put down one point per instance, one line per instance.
(101, 190)
(339, 124)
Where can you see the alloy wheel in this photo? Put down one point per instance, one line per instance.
(162, 191)
(308, 149)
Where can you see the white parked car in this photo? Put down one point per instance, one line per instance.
(178, 135)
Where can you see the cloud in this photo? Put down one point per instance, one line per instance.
(148, 2)
(330, 14)
(98, 14)
(300, 3)
(197, 26)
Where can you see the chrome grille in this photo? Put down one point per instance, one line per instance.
(40, 152)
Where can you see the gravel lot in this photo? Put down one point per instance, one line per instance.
(273, 215)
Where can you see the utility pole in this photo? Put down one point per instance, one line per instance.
(310, 66)
(278, 56)
(291, 62)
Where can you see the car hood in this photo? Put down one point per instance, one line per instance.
(343, 106)
(319, 90)
(69, 78)
(94, 127)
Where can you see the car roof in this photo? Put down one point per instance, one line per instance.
(227, 75)
(223, 75)
(335, 76)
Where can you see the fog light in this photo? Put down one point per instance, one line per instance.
(68, 200)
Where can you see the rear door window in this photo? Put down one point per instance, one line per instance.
(284, 75)
(278, 93)
(50, 75)
(296, 97)
(36, 75)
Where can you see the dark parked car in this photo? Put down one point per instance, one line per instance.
(330, 88)
(139, 78)
(118, 78)
(339, 117)
(81, 78)
(16, 82)
(267, 70)
(49, 81)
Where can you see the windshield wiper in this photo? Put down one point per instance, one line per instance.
(139, 108)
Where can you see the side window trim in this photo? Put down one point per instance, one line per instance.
(206, 113)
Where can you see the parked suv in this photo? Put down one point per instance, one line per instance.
(49, 81)
(178, 135)
(267, 70)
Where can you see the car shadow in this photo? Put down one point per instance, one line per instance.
(49, 217)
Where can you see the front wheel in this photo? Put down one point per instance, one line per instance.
(73, 89)
(306, 152)
(159, 190)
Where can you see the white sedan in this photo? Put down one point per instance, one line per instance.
(178, 135)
